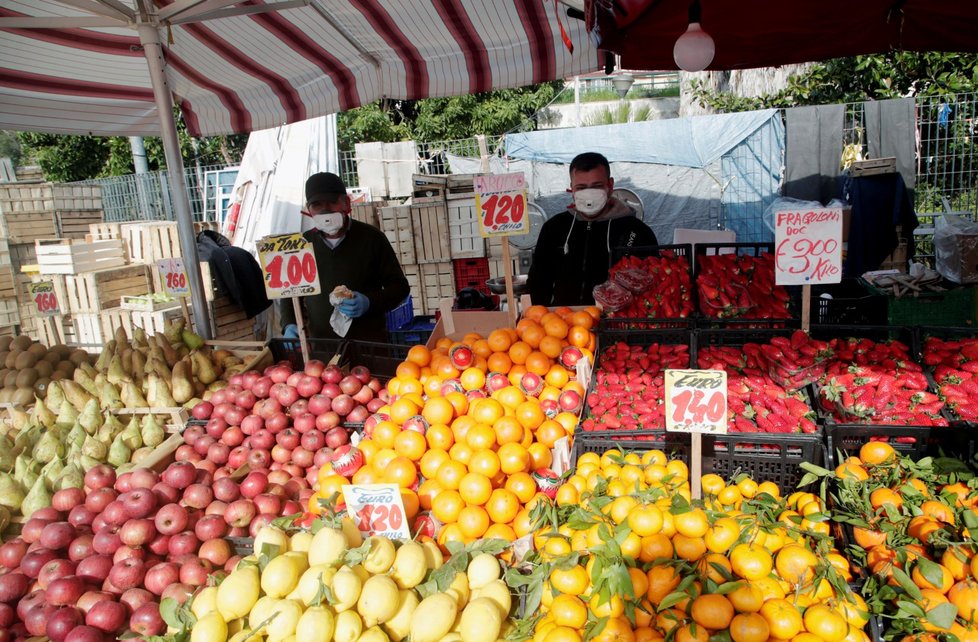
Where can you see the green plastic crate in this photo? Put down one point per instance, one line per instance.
(954, 307)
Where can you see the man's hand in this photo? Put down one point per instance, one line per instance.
(356, 306)
(291, 331)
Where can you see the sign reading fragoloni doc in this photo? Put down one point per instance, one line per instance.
(808, 246)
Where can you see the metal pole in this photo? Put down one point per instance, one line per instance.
(149, 36)
(141, 164)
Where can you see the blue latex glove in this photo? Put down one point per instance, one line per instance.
(356, 306)
(291, 331)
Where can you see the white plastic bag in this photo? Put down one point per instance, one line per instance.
(956, 248)
(339, 321)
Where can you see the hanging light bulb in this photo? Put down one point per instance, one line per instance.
(694, 49)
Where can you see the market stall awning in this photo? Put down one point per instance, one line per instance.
(78, 66)
(768, 33)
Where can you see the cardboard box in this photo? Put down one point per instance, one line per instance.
(455, 324)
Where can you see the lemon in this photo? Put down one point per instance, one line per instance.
(480, 621)
(409, 566)
(204, 602)
(349, 626)
(317, 623)
(454, 636)
(354, 538)
(373, 634)
(433, 556)
(282, 574)
(433, 618)
(210, 628)
(263, 609)
(460, 586)
(361, 572)
(287, 614)
(346, 587)
(326, 547)
(274, 537)
(301, 541)
(398, 627)
(378, 600)
(483, 569)
(241, 636)
(238, 592)
(498, 592)
(308, 587)
(381, 555)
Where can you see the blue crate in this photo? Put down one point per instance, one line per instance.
(401, 315)
(414, 333)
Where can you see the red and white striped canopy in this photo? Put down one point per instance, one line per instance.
(77, 66)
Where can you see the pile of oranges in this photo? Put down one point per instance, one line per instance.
(633, 559)
(916, 541)
(469, 431)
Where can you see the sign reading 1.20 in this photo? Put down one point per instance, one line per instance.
(501, 199)
(377, 509)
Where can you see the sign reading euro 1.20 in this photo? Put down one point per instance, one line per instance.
(500, 203)
(696, 401)
(377, 509)
(808, 246)
(289, 266)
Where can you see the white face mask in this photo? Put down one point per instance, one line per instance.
(590, 201)
(329, 222)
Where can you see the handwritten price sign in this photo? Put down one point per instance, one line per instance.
(696, 401)
(44, 297)
(809, 247)
(174, 277)
(289, 265)
(500, 200)
(377, 509)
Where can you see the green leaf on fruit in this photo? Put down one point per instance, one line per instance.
(942, 616)
(906, 583)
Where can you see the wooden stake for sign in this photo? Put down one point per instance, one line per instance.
(806, 307)
(696, 466)
(186, 312)
(53, 327)
(507, 262)
(302, 329)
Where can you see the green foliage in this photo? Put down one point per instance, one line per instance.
(10, 147)
(622, 113)
(66, 158)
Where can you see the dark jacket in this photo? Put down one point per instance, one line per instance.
(237, 272)
(559, 277)
(364, 262)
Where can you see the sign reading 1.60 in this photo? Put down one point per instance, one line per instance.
(174, 277)
(289, 265)
(501, 201)
(696, 401)
(44, 297)
(377, 509)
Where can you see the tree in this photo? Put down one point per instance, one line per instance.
(10, 147)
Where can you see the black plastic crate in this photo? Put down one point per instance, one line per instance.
(289, 350)
(684, 250)
(775, 458)
(916, 442)
(609, 334)
(847, 303)
(381, 358)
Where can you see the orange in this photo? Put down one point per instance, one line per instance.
(419, 355)
(939, 572)
(551, 347)
(499, 340)
(688, 633)
(613, 607)
(530, 333)
(540, 455)
(882, 496)
(518, 352)
(432, 461)
(460, 453)
(521, 485)
(439, 437)
(662, 580)
(411, 501)
(655, 547)
(486, 411)
(796, 564)
(749, 627)
(332, 484)
(401, 471)
(480, 437)
(513, 458)
(484, 462)
(438, 410)
(410, 444)
(549, 431)
(459, 401)
(557, 376)
(450, 533)
(571, 581)
(712, 611)
(722, 535)
(508, 431)
(688, 548)
(474, 521)
(384, 433)
(783, 619)
(400, 411)
(500, 531)
(503, 505)
(875, 453)
(938, 510)
(447, 505)
(616, 629)
(562, 634)
(530, 415)
(427, 491)
(826, 623)
(556, 328)
(475, 489)
(746, 598)
(499, 361)
(472, 379)
(964, 595)
(692, 523)
(408, 370)
(450, 474)
(510, 396)
(535, 312)
(569, 610)
(368, 475)
(751, 562)
(538, 363)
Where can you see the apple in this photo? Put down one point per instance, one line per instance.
(343, 404)
(216, 427)
(160, 576)
(240, 512)
(262, 386)
(277, 422)
(226, 489)
(13, 586)
(216, 551)
(140, 502)
(136, 597)
(308, 385)
(304, 422)
(107, 541)
(281, 455)
(195, 572)
(37, 618)
(284, 394)
(115, 513)
(107, 616)
(331, 390)
(337, 437)
(97, 500)
(202, 410)
(94, 569)
(56, 568)
(184, 543)
(81, 547)
(35, 560)
(302, 457)
(259, 459)
(65, 591)
(235, 435)
(179, 475)
(171, 519)
(146, 620)
(263, 439)
(160, 546)
(319, 403)
(32, 528)
(127, 573)
(29, 601)
(254, 484)
(291, 507)
(238, 457)
(235, 415)
(260, 522)
(62, 622)
(165, 494)
(211, 527)
(80, 516)
(218, 453)
(375, 404)
(144, 478)
(332, 374)
(57, 535)
(137, 532)
(198, 496)
(216, 507)
(7, 616)
(202, 444)
(100, 476)
(362, 373)
(359, 414)
(67, 498)
(322, 457)
(268, 503)
(124, 552)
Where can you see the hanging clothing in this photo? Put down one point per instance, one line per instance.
(236, 271)
(813, 152)
(891, 131)
(879, 204)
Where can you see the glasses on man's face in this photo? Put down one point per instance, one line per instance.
(323, 207)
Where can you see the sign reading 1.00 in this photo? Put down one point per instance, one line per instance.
(696, 401)
(500, 200)
(289, 265)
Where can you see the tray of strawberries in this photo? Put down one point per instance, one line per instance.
(735, 282)
(951, 358)
(659, 281)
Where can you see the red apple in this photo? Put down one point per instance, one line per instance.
(171, 519)
(195, 572)
(198, 496)
(137, 532)
(13, 586)
(100, 476)
(55, 569)
(107, 541)
(211, 527)
(107, 616)
(35, 560)
(161, 575)
(66, 591)
(180, 474)
(184, 543)
(67, 498)
(147, 621)
(94, 569)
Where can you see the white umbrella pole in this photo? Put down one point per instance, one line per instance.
(149, 36)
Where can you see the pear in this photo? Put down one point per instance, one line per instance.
(87, 368)
(67, 415)
(180, 383)
(82, 378)
(132, 396)
(139, 337)
(7, 458)
(71, 477)
(76, 436)
(138, 365)
(87, 463)
(108, 395)
(159, 393)
(17, 417)
(11, 492)
(52, 472)
(173, 330)
(102, 363)
(112, 426)
(119, 452)
(152, 431)
(192, 340)
(159, 367)
(94, 448)
(76, 394)
(90, 417)
(48, 447)
(42, 414)
(38, 497)
(55, 395)
(25, 470)
(204, 369)
(116, 373)
(131, 435)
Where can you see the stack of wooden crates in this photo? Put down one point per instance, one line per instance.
(32, 210)
(436, 239)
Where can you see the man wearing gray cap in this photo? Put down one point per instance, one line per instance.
(355, 260)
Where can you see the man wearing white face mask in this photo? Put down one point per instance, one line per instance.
(573, 251)
(351, 254)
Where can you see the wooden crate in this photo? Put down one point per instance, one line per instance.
(497, 267)
(24, 227)
(149, 242)
(229, 321)
(429, 185)
(460, 186)
(104, 231)
(48, 197)
(9, 313)
(437, 282)
(8, 284)
(431, 235)
(75, 224)
(154, 321)
(366, 213)
(102, 289)
(396, 223)
(463, 230)
(413, 275)
(68, 257)
(22, 255)
(58, 330)
(98, 328)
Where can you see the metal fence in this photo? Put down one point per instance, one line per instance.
(430, 156)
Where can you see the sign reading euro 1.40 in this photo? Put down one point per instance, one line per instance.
(289, 265)
(500, 202)
(174, 277)
(696, 401)
(377, 509)
(45, 298)
(808, 246)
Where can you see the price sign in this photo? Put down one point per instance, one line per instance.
(500, 200)
(809, 246)
(289, 265)
(696, 401)
(174, 277)
(44, 297)
(377, 509)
